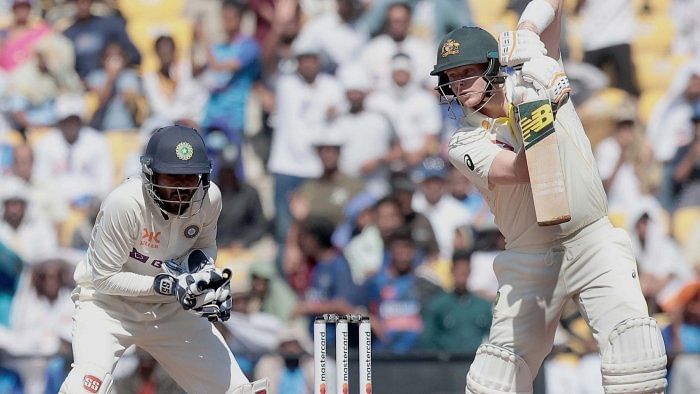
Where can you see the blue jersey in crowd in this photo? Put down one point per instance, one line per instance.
(395, 301)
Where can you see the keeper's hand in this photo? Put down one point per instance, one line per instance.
(192, 290)
(220, 308)
(205, 293)
(548, 78)
(518, 46)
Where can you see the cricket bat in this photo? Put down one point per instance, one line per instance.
(536, 121)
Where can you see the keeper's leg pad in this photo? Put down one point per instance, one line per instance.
(497, 370)
(87, 379)
(634, 358)
(260, 386)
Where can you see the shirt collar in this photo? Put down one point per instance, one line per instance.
(477, 119)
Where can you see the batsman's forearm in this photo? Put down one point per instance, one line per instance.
(125, 284)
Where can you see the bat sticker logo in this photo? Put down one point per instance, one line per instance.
(539, 124)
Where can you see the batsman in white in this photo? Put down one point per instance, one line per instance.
(585, 259)
(149, 278)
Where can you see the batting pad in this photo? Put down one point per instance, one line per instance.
(634, 360)
(259, 386)
(497, 370)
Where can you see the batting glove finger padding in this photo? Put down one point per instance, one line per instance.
(548, 78)
(519, 46)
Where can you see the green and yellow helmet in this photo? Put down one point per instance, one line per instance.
(463, 46)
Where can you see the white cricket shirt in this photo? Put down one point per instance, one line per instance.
(473, 148)
(132, 238)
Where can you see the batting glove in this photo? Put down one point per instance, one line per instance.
(519, 46)
(548, 78)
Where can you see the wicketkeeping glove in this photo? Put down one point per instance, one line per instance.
(220, 307)
(197, 285)
(548, 78)
(518, 46)
(191, 290)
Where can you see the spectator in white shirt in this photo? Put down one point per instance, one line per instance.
(337, 33)
(670, 125)
(306, 102)
(686, 18)
(22, 229)
(73, 160)
(414, 112)
(41, 311)
(662, 267)
(617, 166)
(378, 53)
(359, 125)
(42, 199)
(607, 29)
(172, 94)
(444, 212)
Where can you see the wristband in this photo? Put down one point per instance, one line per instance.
(538, 12)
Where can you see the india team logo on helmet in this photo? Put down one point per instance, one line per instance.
(184, 151)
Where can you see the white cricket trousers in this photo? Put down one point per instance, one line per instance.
(594, 267)
(188, 347)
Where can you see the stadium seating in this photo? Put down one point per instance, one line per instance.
(654, 34)
(486, 12)
(652, 7)
(68, 227)
(684, 222)
(657, 71)
(596, 112)
(144, 32)
(122, 144)
(647, 101)
(151, 9)
(507, 21)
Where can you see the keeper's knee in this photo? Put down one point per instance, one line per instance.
(87, 379)
(634, 358)
(260, 386)
(498, 370)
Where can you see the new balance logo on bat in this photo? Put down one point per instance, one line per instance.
(539, 124)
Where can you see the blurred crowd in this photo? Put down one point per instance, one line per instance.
(329, 145)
